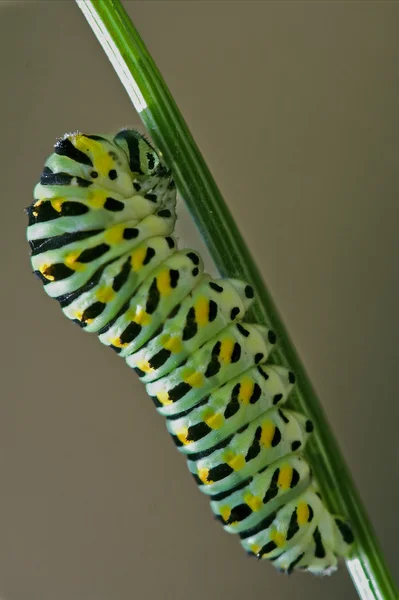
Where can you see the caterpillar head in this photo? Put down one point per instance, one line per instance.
(143, 158)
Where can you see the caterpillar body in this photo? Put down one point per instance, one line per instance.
(101, 237)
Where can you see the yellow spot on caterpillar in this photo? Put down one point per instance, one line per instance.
(254, 502)
(302, 513)
(226, 350)
(225, 512)
(43, 270)
(71, 258)
(267, 434)
(145, 367)
(246, 390)
(96, 198)
(105, 294)
(79, 315)
(172, 343)
(203, 475)
(182, 436)
(285, 477)
(214, 421)
(236, 462)
(163, 283)
(70, 261)
(114, 235)
(255, 548)
(195, 379)
(141, 317)
(202, 311)
(163, 397)
(102, 161)
(278, 538)
(56, 203)
(137, 258)
(117, 342)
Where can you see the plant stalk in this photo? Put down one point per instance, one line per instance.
(161, 116)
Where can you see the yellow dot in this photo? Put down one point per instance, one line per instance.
(164, 399)
(79, 315)
(117, 342)
(254, 502)
(202, 311)
(255, 548)
(302, 512)
(96, 198)
(246, 390)
(172, 343)
(226, 350)
(145, 367)
(196, 380)
(137, 258)
(278, 538)
(56, 203)
(71, 258)
(70, 261)
(43, 270)
(267, 434)
(163, 283)
(182, 436)
(114, 235)
(214, 421)
(285, 477)
(225, 512)
(141, 317)
(98, 152)
(236, 462)
(203, 475)
(103, 163)
(105, 294)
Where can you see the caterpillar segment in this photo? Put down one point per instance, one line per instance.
(101, 237)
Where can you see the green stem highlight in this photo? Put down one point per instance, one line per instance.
(161, 116)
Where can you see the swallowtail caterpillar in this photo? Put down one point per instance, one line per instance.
(101, 238)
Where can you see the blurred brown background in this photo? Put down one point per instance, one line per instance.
(295, 107)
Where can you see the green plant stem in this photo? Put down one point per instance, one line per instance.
(162, 118)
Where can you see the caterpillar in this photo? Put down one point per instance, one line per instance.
(101, 240)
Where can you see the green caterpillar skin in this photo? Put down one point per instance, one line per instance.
(100, 231)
